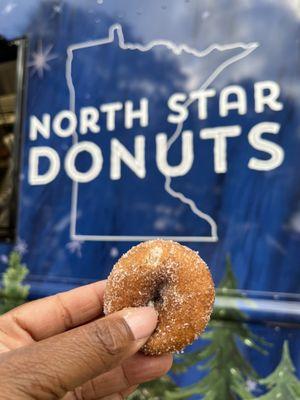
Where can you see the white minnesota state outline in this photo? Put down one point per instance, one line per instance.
(247, 48)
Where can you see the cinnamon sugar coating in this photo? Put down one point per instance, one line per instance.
(172, 278)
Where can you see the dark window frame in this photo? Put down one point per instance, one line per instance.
(9, 234)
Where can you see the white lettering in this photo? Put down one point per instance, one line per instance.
(70, 129)
(219, 135)
(187, 150)
(275, 151)
(269, 99)
(141, 114)
(202, 96)
(96, 165)
(36, 126)
(35, 154)
(174, 104)
(119, 153)
(239, 104)
(89, 117)
(110, 109)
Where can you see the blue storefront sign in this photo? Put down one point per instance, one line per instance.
(172, 119)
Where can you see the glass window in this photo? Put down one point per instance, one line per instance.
(11, 90)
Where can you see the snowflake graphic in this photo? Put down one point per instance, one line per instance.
(21, 246)
(251, 385)
(4, 258)
(75, 247)
(114, 252)
(40, 59)
(205, 14)
(8, 8)
(57, 8)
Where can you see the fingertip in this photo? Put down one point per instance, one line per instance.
(162, 363)
(142, 321)
(129, 391)
(100, 284)
(142, 368)
(167, 362)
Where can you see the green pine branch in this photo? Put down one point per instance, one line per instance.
(282, 383)
(227, 371)
(13, 291)
(154, 390)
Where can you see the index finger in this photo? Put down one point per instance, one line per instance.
(55, 314)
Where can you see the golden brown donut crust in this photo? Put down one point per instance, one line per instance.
(175, 280)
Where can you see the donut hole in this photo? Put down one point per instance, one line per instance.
(157, 297)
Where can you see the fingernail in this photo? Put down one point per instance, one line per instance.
(142, 321)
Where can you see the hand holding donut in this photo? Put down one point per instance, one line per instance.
(61, 347)
(175, 281)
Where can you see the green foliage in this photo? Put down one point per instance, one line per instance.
(282, 383)
(13, 291)
(227, 370)
(154, 390)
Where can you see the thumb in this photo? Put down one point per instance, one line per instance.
(52, 367)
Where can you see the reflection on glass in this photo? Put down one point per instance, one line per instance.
(8, 96)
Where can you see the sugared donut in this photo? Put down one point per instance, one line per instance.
(175, 280)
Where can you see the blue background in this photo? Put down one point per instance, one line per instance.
(257, 213)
